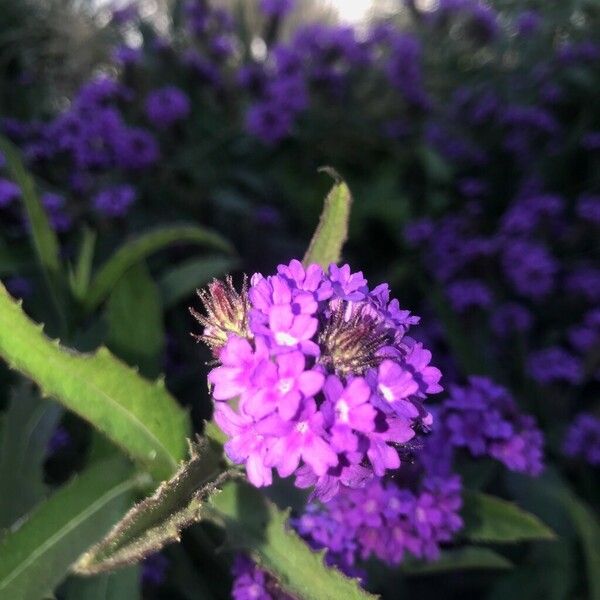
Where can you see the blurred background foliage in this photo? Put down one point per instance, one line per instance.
(469, 134)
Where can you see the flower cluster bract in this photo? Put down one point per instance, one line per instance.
(317, 376)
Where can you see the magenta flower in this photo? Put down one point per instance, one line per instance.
(316, 376)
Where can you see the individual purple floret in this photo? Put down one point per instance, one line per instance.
(166, 106)
(317, 376)
(114, 201)
(252, 583)
(583, 439)
(484, 418)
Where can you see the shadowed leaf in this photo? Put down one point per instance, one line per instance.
(28, 425)
(491, 519)
(135, 321)
(461, 559)
(35, 557)
(138, 249)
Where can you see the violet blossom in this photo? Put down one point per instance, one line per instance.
(317, 376)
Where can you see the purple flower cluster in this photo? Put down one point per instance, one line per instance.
(384, 521)
(320, 64)
(583, 439)
(317, 376)
(483, 418)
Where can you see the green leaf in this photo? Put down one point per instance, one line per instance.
(79, 277)
(140, 417)
(135, 321)
(182, 280)
(491, 519)
(13, 260)
(36, 557)
(159, 519)
(258, 527)
(26, 430)
(121, 585)
(460, 559)
(331, 233)
(43, 236)
(552, 497)
(136, 250)
(586, 523)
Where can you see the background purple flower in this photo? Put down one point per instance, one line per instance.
(115, 201)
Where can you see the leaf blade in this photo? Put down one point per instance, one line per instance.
(467, 558)
(491, 519)
(135, 320)
(332, 231)
(27, 428)
(36, 557)
(43, 237)
(135, 250)
(181, 281)
(140, 417)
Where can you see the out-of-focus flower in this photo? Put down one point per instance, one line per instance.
(252, 583)
(154, 570)
(9, 192)
(166, 106)
(484, 418)
(277, 8)
(583, 439)
(114, 201)
(554, 364)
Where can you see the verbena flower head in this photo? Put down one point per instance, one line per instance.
(317, 376)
